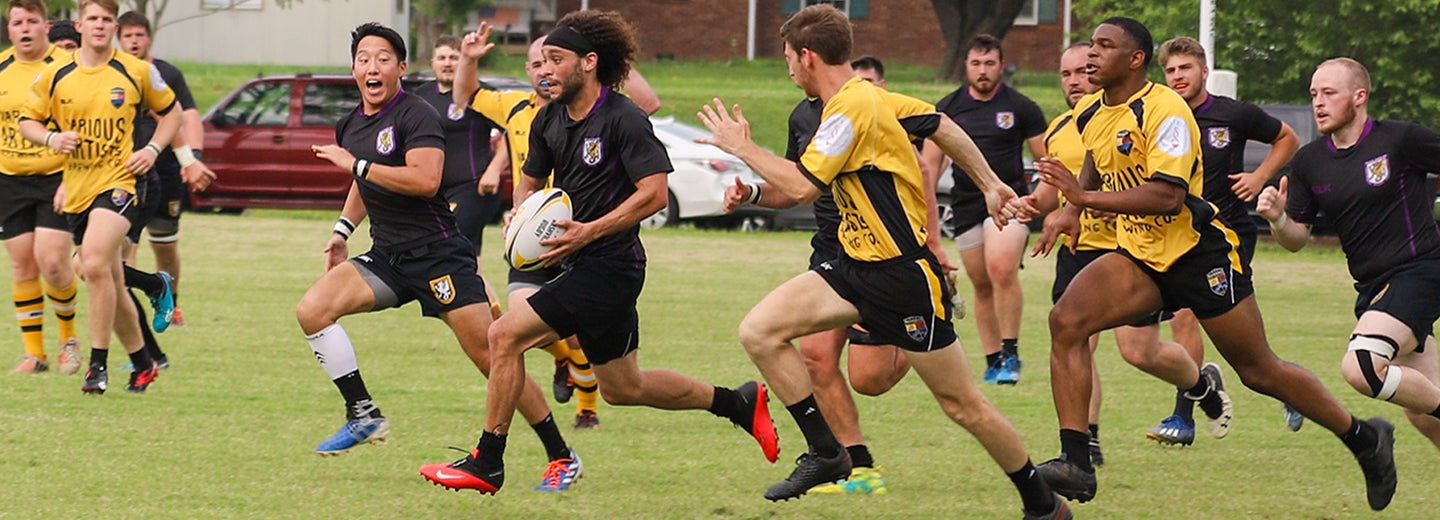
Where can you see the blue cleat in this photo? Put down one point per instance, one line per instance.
(164, 303)
(1008, 372)
(991, 371)
(561, 473)
(1173, 430)
(1293, 419)
(371, 430)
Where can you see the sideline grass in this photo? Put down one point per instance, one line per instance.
(228, 431)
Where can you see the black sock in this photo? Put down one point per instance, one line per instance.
(1075, 446)
(1034, 493)
(1010, 346)
(141, 360)
(814, 428)
(151, 346)
(1184, 406)
(725, 403)
(1360, 437)
(1095, 432)
(148, 282)
(1435, 413)
(990, 359)
(352, 388)
(99, 357)
(492, 450)
(550, 437)
(860, 456)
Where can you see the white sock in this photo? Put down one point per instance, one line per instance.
(332, 347)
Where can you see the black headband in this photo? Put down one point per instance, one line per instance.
(566, 38)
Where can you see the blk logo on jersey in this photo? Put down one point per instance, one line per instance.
(117, 97)
(1124, 142)
(455, 112)
(385, 141)
(591, 152)
(1219, 281)
(1377, 170)
(915, 328)
(1005, 120)
(443, 289)
(1219, 137)
(119, 197)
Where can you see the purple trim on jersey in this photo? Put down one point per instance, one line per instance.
(444, 231)
(1330, 140)
(1209, 100)
(387, 106)
(471, 149)
(604, 94)
(1404, 210)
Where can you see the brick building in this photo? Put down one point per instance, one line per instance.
(904, 31)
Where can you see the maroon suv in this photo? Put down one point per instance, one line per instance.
(258, 139)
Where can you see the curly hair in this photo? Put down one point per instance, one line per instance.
(613, 39)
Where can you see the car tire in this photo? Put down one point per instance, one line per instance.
(667, 217)
(946, 212)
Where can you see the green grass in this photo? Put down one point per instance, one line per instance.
(228, 431)
(762, 87)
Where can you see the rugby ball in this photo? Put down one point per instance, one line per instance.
(533, 222)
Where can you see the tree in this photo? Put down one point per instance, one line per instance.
(961, 20)
(432, 18)
(1275, 45)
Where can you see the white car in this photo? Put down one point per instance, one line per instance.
(697, 186)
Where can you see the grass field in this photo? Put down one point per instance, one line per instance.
(227, 432)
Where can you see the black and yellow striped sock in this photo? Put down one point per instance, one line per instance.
(62, 300)
(30, 312)
(583, 376)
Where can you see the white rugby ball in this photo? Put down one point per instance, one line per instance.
(533, 222)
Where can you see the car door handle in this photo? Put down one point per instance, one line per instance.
(277, 138)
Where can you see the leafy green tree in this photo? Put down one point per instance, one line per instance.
(1274, 45)
(961, 20)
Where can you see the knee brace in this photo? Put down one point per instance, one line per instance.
(1363, 346)
(164, 230)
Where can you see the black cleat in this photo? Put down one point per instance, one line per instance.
(1067, 479)
(1378, 463)
(810, 470)
(141, 379)
(560, 383)
(97, 380)
(1061, 512)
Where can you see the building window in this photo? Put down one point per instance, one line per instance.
(855, 9)
(1029, 13)
(842, 5)
(246, 5)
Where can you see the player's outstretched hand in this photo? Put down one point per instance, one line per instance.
(337, 156)
(576, 235)
(1247, 185)
(1066, 222)
(1054, 173)
(475, 45)
(197, 176)
(1271, 203)
(729, 133)
(1005, 206)
(735, 195)
(141, 160)
(337, 250)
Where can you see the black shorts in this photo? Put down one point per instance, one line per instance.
(594, 300)
(169, 197)
(902, 301)
(440, 274)
(117, 200)
(1410, 293)
(147, 205)
(1204, 280)
(532, 279)
(826, 247)
(28, 202)
(1068, 264)
(472, 211)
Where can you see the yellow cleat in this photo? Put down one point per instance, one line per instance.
(862, 481)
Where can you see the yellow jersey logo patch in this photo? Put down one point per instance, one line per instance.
(443, 289)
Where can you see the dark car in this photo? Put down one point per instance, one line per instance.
(258, 139)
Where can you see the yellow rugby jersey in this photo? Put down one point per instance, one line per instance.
(515, 112)
(100, 103)
(863, 155)
(1062, 141)
(1151, 137)
(18, 156)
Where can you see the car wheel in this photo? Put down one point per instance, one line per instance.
(667, 216)
(753, 223)
(946, 212)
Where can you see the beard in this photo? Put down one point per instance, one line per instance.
(571, 86)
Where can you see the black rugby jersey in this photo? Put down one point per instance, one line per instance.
(467, 136)
(1225, 126)
(598, 160)
(397, 222)
(804, 120)
(999, 128)
(1376, 193)
(145, 124)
